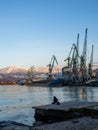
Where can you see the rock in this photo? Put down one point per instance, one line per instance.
(11, 125)
(15, 128)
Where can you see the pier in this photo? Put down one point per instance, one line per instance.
(66, 111)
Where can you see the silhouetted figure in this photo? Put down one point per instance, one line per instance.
(55, 101)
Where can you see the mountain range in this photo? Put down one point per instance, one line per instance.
(15, 73)
(24, 70)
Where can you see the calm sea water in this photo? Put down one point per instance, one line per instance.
(17, 102)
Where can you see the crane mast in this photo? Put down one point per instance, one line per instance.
(91, 58)
(91, 61)
(83, 66)
(77, 42)
(84, 48)
(77, 54)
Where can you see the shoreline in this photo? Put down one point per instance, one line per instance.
(83, 123)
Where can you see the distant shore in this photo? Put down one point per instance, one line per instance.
(8, 83)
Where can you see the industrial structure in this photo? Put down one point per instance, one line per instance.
(51, 66)
(77, 70)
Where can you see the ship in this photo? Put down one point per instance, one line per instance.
(48, 80)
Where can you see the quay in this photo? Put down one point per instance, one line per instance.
(65, 111)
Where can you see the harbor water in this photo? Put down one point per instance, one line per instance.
(17, 102)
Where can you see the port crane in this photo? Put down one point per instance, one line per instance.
(91, 62)
(51, 65)
(77, 45)
(30, 75)
(83, 66)
(77, 67)
(73, 58)
(71, 69)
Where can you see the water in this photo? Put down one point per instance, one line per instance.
(17, 102)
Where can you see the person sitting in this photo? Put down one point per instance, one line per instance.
(55, 101)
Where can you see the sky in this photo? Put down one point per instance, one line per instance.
(31, 31)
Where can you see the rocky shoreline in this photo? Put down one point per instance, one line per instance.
(83, 116)
(84, 123)
(11, 125)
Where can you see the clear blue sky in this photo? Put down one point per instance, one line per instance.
(31, 31)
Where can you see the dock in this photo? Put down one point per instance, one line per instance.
(65, 111)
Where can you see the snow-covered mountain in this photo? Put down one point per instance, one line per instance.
(15, 73)
(13, 69)
(23, 70)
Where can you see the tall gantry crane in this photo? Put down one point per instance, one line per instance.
(91, 62)
(77, 45)
(73, 58)
(72, 61)
(77, 64)
(83, 57)
(51, 65)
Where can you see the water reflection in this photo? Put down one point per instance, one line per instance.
(64, 93)
(16, 102)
